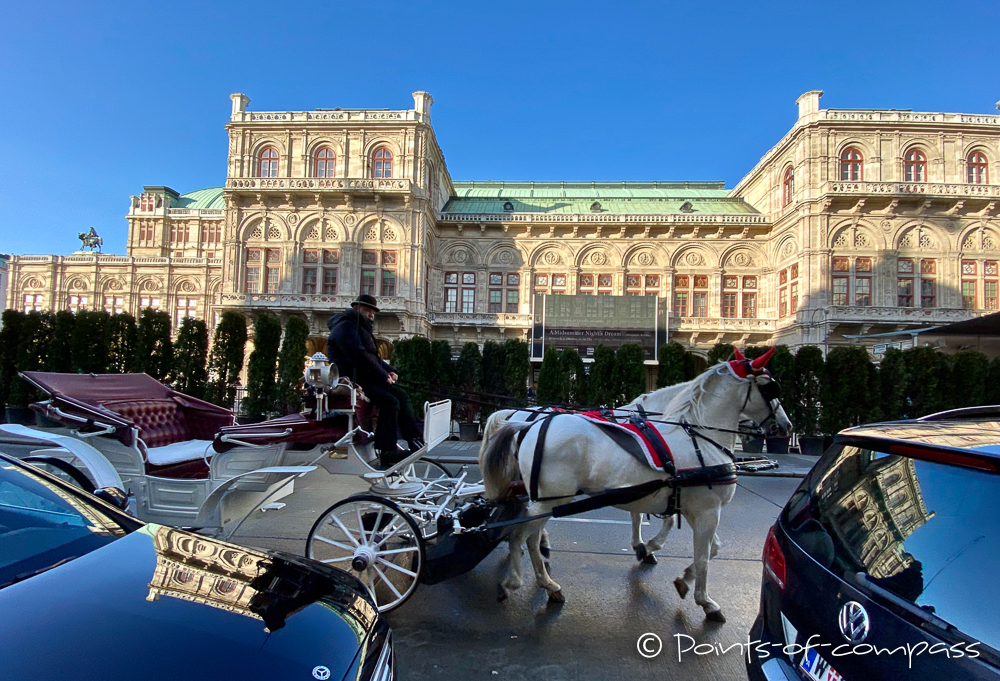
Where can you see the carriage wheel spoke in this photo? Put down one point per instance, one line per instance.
(344, 529)
(389, 552)
(392, 534)
(396, 567)
(387, 582)
(361, 524)
(338, 544)
(337, 560)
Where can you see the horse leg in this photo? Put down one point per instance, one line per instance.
(683, 584)
(657, 542)
(704, 527)
(542, 577)
(641, 553)
(545, 548)
(512, 581)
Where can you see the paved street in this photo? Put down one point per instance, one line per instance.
(457, 630)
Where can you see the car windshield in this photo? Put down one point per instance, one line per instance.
(928, 532)
(42, 525)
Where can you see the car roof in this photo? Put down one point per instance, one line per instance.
(975, 430)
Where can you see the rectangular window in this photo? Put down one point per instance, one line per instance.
(33, 301)
(152, 303)
(388, 283)
(750, 282)
(185, 307)
(558, 283)
(794, 297)
(468, 278)
(114, 304)
(496, 279)
(990, 295)
(310, 256)
(468, 300)
(513, 280)
(273, 266)
(904, 266)
(369, 257)
(863, 291)
(681, 304)
(783, 277)
(840, 265)
(252, 279)
(331, 257)
(77, 303)
(496, 299)
(700, 304)
(451, 277)
(793, 272)
(700, 281)
(330, 280)
(513, 297)
(968, 295)
(783, 302)
(928, 267)
(840, 290)
(450, 300)
(729, 304)
(368, 282)
(750, 305)
(309, 280)
(990, 268)
(928, 289)
(863, 265)
(968, 267)
(904, 292)
(730, 282)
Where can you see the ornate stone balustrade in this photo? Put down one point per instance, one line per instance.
(197, 212)
(903, 315)
(307, 301)
(907, 116)
(914, 189)
(722, 324)
(314, 116)
(312, 184)
(479, 319)
(604, 218)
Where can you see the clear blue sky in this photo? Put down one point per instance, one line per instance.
(99, 99)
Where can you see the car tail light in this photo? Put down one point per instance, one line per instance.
(774, 560)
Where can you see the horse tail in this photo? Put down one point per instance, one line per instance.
(499, 460)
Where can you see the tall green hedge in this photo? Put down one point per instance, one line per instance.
(226, 360)
(968, 378)
(262, 365)
(493, 379)
(551, 378)
(468, 375)
(807, 394)
(603, 389)
(442, 368)
(630, 372)
(923, 373)
(154, 354)
(190, 374)
(90, 343)
(848, 396)
(292, 365)
(33, 347)
(574, 372)
(10, 340)
(411, 358)
(60, 359)
(674, 365)
(892, 383)
(517, 367)
(122, 337)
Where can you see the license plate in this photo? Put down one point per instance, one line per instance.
(817, 668)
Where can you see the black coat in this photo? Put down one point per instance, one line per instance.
(351, 346)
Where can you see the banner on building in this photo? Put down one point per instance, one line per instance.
(584, 322)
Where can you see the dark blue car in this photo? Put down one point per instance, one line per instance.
(884, 562)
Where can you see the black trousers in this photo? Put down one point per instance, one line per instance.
(394, 408)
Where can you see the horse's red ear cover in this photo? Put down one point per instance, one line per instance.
(761, 362)
(738, 354)
(742, 368)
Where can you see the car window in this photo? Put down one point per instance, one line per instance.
(43, 525)
(928, 532)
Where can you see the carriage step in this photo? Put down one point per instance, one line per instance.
(403, 489)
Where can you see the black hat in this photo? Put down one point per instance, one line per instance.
(367, 301)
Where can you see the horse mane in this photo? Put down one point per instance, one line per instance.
(686, 404)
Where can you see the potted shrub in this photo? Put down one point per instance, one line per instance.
(808, 374)
(752, 444)
(782, 366)
(468, 376)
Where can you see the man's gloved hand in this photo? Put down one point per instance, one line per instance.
(393, 377)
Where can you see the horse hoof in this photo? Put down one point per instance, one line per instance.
(649, 559)
(715, 616)
(640, 552)
(556, 597)
(682, 587)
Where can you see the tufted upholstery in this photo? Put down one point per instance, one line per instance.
(160, 422)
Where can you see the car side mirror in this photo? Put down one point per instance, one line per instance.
(113, 496)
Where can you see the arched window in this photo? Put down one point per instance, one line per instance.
(788, 187)
(267, 162)
(915, 166)
(382, 163)
(325, 163)
(978, 169)
(851, 165)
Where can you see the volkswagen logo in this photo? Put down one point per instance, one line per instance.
(321, 673)
(853, 621)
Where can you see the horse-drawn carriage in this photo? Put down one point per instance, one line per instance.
(182, 462)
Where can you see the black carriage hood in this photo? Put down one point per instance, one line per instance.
(162, 603)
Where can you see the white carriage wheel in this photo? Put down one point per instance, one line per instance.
(376, 541)
(426, 470)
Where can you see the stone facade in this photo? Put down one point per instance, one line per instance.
(856, 222)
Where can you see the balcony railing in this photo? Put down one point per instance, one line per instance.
(313, 184)
(913, 315)
(732, 219)
(914, 189)
(722, 324)
(479, 319)
(199, 212)
(307, 301)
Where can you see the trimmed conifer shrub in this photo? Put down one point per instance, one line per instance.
(60, 359)
(923, 372)
(122, 337)
(575, 377)
(672, 365)
(262, 366)
(720, 352)
(442, 369)
(190, 375)
(154, 352)
(468, 376)
(292, 365)
(411, 358)
(993, 382)
(892, 384)
(493, 382)
(33, 347)
(848, 399)
(630, 372)
(517, 367)
(805, 408)
(226, 359)
(551, 378)
(90, 345)
(10, 340)
(603, 390)
(968, 378)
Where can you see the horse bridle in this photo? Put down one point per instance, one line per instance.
(770, 392)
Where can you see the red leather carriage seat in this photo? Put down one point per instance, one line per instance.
(163, 426)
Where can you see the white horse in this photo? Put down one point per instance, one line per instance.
(576, 457)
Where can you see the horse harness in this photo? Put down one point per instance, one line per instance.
(697, 477)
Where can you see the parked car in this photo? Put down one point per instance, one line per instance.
(883, 562)
(88, 592)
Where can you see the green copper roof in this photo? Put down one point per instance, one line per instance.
(579, 197)
(203, 198)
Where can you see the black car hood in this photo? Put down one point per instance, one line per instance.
(162, 603)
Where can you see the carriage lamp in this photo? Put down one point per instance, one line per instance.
(320, 373)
